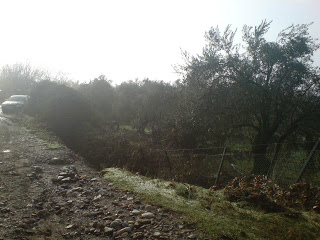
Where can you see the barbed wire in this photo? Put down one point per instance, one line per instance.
(220, 155)
(211, 148)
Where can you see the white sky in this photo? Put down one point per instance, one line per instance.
(128, 39)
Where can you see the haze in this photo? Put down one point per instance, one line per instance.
(125, 40)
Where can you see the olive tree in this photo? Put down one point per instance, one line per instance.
(268, 87)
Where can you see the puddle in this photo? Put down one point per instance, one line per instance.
(6, 151)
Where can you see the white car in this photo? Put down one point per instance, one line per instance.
(15, 104)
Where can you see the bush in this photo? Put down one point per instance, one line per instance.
(61, 107)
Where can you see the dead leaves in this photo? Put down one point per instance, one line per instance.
(259, 191)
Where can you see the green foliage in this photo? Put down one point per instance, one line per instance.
(62, 108)
(100, 94)
(144, 103)
(270, 88)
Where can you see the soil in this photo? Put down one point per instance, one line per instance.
(48, 192)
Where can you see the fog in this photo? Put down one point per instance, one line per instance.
(125, 40)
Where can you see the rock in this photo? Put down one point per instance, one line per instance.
(77, 189)
(67, 179)
(147, 215)
(69, 226)
(124, 224)
(116, 225)
(96, 198)
(67, 174)
(108, 230)
(57, 161)
(107, 223)
(136, 212)
(37, 169)
(142, 221)
(126, 229)
(156, 234)
(148, 208)
(191, 236)
(138, 235)
(124, 235)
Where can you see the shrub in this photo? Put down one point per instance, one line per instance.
(61, 107)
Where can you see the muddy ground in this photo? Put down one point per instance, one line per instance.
(47, 192)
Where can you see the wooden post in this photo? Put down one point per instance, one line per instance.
(168, 160)
(220, 167)
(307, 161)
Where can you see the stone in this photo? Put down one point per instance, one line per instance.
(96, 198)
(116, 225)
(156, 234)
(57, 161)
(126, 229)
(108, 230)
(37, 169)
(136, 212)
(138, 235)
(142, 221)
(69, 226)
(77, 189)
(67, 179)
(147, 215)
(124, 224)
(191, 236)
(148, 208)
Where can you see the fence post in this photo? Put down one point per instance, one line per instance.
(220, 166)
(168, 160)
(307, 161)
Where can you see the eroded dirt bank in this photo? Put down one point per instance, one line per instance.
(47, 192)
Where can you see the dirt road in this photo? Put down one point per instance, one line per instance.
(47, 192)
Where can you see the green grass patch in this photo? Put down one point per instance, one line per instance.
(126, 127)
(215, 217)
(53, 146)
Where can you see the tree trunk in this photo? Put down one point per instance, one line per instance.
(259, 149)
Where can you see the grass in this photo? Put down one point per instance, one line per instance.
(126, 127)
(215, 217)
(130, 128)
(53, 146)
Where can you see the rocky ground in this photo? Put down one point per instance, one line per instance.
(47, 192)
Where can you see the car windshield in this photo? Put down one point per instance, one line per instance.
(18, 98)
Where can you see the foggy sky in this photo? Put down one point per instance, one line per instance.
(131, 39)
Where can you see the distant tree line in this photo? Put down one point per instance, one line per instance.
(258, 93)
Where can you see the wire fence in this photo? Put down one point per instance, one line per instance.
(204, 166)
